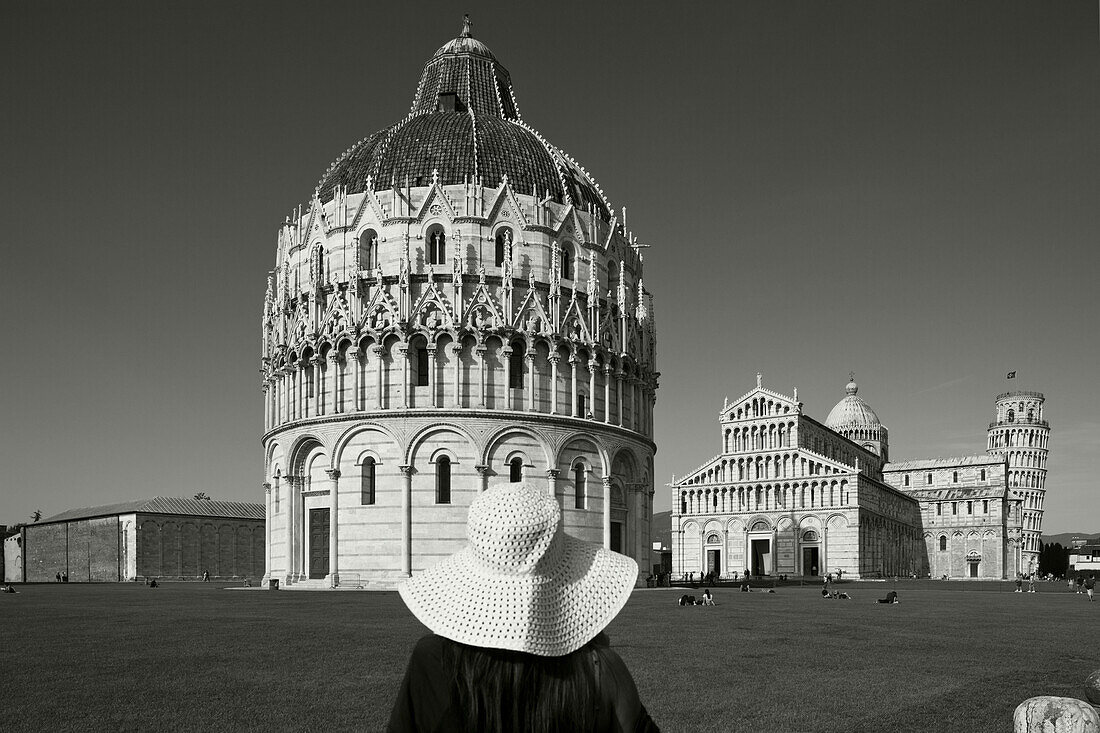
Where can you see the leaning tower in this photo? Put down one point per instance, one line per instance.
(458, 305)
(1021, 433)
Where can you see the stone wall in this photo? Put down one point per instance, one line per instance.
(184, 546)
(87, 549)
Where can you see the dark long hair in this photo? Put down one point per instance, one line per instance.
(501, 690)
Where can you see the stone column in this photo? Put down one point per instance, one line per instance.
(318, 402)
(619, 387)
(432, 383)
(607, 512)
(824, 547)
(456, 354)
(552, 481)
(333, 578)
(268, 515)
(506, 355)
(483, 475)
(379, 366)
(480, 350)
(529, 360)
(591, 406)
(554, 359)
(406, 522)
(748, 552)
(406, 374)
(607, 394)
(352, 360)
(573, 384)
(301, 389)
(291, 518)
(334, 375)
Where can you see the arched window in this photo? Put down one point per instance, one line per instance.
(582, 404)
(437, 245)
(613, 279)
(954, 477)
(1031, 415)
(906, 479)
(578, 486)
(566, 262)
(943, 542)
(1012, 416)
(368, 250)
(515, 470)
(443, 480)
(367, 481)
(503, 239)
(515, 365)
(983, 474)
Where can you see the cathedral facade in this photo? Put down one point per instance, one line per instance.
(790, 495)
(458, 305)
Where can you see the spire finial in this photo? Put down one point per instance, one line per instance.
(759, 379)
(851, 376)
(465, 26)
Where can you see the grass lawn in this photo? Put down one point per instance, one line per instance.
(192, 656)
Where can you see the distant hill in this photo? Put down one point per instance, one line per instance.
(1065, 537)
(662, 532)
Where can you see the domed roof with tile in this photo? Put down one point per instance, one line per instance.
(852, 411)
(464, 126)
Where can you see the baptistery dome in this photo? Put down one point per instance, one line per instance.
(458, 305)
(464, 127)
(853, 418)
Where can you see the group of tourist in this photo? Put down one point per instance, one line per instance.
(62, 576)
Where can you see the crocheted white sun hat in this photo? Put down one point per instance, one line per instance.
(521, 583)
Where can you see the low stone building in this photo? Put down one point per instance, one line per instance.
(159, 537)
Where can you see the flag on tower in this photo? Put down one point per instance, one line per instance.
(1010, 375)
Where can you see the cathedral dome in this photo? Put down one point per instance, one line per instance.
(464, 127)
(852, 411)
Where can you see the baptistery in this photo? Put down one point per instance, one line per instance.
(458, 305)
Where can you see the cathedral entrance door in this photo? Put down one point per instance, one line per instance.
(617, 536)
(810, 562)
(973, 569)
(714, 562)
(318, 543)
(761, 557)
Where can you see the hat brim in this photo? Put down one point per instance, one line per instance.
(551, 612)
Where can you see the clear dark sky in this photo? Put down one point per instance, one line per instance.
(909, 190)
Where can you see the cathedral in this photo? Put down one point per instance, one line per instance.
(458, 305)
(789, 495)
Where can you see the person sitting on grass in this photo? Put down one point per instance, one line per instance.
(708, 599)
(8, 589)
(153, 583)
(891, 597)
(518, 617)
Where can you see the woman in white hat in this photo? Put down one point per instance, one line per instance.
(517, 617)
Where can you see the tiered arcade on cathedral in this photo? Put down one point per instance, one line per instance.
(790, 495)
(459, 305)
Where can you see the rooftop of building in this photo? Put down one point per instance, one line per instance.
(165, 505)
(936, 463)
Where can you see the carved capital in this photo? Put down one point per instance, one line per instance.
(376, 349)
(482, 470)
(406, 470)
(552, 473)
(554, 358)
(333, 473)
(267, 487)
(352, 353)
(316, 360)
(334, 357)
